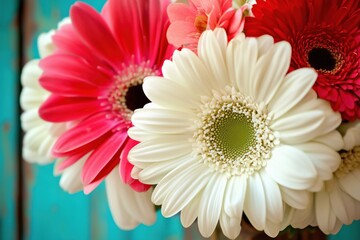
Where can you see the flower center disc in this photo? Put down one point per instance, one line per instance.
(127, 94)
(135, 97)
(232, 134)
(350, 160)
(322, 59)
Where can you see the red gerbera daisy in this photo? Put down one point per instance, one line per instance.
(324, 35)
(95, 79)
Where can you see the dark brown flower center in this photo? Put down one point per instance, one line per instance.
(322, 59)
(135, 97)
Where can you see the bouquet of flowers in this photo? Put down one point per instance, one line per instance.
(218, 110)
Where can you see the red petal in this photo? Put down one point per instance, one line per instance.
(63, 109)
(95, 32)
(73, 66)
(125, 166)
(104, 158)
(85, 132)
(70, 161)
(139, 186)
(69, 87)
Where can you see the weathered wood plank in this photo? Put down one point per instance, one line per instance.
(8, 119)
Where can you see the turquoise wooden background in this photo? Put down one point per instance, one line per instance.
(32, 205)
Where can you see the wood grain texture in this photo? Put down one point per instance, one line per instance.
(9, 127)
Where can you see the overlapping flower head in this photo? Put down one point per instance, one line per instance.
(95, 79)
(40, 136)
(92, 70)
(338, 202)
(190, 20)
(228, 131)
(324, 35)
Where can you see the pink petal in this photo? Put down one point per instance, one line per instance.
(139, 186)
(181, 33)
(84, 133)
(69, 87)
(70, 161)
(73, 66)
(68, 41)
(91, 187)
(104, 158)
(125, 166)
(127, 26)
(95, 32)
(181, 12)
(62, 109)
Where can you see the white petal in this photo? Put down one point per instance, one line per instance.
(235, 196)
(174, 178)
(163, 121)
(169, 93)
(350, 184)
(272, 229)
(230, 226)
(337, 202)
(211, 53)
(139, 134)
(274, 206)
(189, 186)
(291, 168)
(188, 70)
(324, 214)
(255, 205)
(30, 119)
(45, 44)
(154, 172)
(295, 86)
(159, 149)
(241, 61)
(211, 204)
(128, 208)
(325, 159)
(265, 43)
(298, 128)
(190, 212)
(70, 179)
(299, 199)
(271, 69)
(32, 98)
(333, 140)
(30, 75)
(304, 217)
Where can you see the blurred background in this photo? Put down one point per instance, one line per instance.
(32, 205)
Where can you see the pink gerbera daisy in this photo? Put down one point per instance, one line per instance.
(188, 21)
(95, 79)
(324, 35)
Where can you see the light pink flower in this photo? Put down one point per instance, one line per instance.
(95, 80)
(188, 21)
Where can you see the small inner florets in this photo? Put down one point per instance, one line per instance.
(129, 77)
(232, 133)
(350, 160)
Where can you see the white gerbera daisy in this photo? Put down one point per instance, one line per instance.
(338, 202)
(128, 208)
(229, 132)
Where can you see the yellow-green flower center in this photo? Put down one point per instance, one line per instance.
(232, 134)
(350, 160)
